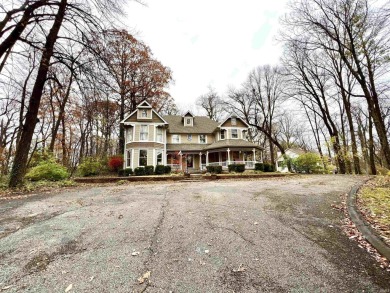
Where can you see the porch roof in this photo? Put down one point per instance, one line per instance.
(185, 147)
(232, 143)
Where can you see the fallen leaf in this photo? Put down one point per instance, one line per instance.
(7, 287)
(135, 253)
(144, 277)
(69, 288)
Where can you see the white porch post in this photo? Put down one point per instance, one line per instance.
(181, 161)
(254, 155)
(200, 161)
(207, 158)
(219, 158)
(228, 153)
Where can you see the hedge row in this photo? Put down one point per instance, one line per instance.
(214, 169)
(147, 170)
(265, 167)
(239, 168)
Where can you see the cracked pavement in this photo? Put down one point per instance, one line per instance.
(268, 235)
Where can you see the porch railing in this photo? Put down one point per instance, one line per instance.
(174, 167)
(248, 164)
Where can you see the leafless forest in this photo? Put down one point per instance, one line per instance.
(69, 74)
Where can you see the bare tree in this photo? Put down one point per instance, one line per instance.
(211, 103)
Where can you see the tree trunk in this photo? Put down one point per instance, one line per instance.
(60, 115)
(371, 147)
(21, 156)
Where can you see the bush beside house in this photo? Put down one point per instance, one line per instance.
(90, 167)
(214, 169)
(115, 163)
(49, 170)
(125, 172)
(239, 168)
(307, 163)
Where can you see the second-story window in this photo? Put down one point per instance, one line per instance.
(189, 137)
(144, 114)
(144, 132)
(234, 133)
(159, 134)
(129, 134)
(222, 134)
(175, 138)
(202, 138)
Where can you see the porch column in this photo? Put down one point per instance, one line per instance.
(207, 158)
(181, 161)
(219, 158)
(200, 161)
(228, 153)
(254, 155)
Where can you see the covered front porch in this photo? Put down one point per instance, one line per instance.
(197, 161)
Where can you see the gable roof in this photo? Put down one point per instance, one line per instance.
(135, 111)
(234, 116)
(144, 104)
(188, 113)
(202, 124)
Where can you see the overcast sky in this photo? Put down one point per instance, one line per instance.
(214, 42)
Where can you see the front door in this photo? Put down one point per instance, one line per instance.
(190, 161)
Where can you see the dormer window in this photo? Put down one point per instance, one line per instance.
(144, 113)
(188, 119)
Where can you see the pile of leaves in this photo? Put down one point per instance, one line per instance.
(354, 234)
(374, 204)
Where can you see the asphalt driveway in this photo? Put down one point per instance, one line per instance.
(270, 235)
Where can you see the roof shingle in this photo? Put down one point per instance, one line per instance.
(202, 125)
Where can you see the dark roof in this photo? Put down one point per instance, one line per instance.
(185, 147)
(232, 143)
(222, 144)
(202, 124)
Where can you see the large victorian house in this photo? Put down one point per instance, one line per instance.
(188, 142)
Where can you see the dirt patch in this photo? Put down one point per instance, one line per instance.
(236, 280)
(38, 263)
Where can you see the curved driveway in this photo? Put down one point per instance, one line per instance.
(271, 235)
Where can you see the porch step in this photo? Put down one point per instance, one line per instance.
(193, 178)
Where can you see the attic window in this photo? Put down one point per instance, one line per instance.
(188, 121)
(144, 114)
(234, 121)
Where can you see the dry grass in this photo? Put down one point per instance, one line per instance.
(374, 202)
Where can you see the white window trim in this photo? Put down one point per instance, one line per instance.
(131, 158)
(155, 134)
(162, 157)
(225, 132)
(172, 141)
(231, 133)
(191, 120)
(205, 135)
(140, 132)
(139, 157)
(148, 111)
